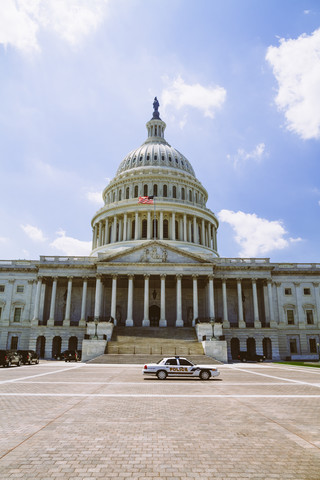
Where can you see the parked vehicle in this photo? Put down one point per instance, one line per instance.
(179, 367)
(247, 356)
(29, 357)
(10, 357)
(70, 355)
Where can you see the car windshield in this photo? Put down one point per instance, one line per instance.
(160, 362)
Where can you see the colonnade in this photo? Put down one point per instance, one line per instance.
(179, 322)
(140, 225)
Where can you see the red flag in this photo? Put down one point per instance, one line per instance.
(145, 200)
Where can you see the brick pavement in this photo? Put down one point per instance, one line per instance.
(257, 422)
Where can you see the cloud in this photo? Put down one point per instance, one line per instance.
(71, 246)
(256, 236)
(205, 99)
(34, 233)
(242, 156)
(95, 197)
(296, 66)
(22, 20)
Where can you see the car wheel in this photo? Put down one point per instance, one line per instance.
(37, 361)
(8, 364)
(204, 375)
(260, 359)
(243, 360)
(162, 375)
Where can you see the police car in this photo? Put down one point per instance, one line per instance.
(179, 367)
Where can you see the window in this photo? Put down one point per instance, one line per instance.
(136, 191)
(287, 291)
(127, 193)
(184, 361)
(145, 190)
(165, 190)
(14, 343)
(293, 345)
(120, 195)
(309, 314)
(190, 196)
(155, 190)
(172, 361)
(133, 229)
(306, 291)
(114, 196)
(162, 158)
(144, 228)
(170, 158)
(313, 345)
(290, 317)
(1, 288)
(20, 288)
(155, 156)
(182, 193)
(17, 314)
(174, 192)
(196, 197)
(165, 229)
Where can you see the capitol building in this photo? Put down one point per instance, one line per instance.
(155, 264)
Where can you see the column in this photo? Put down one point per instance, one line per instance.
(114, 299)
(163, 321)
(129, 321)
(82, 321)
(270, 301)
(241, 323)
(180, 237)
(203, 233)
(50, 322)
(93, 238)
(179, 321)
(211, 298)
(35, 319)
(136, 230)
(173, 226)
(27, 313)
(66, 321)
(114, 229)
(106, 229)
(120, 229)
(125, 226)
(195, 299)
(185, 227)
(226, 323)
(161, 226)
(100, 235)
(301, 321)
(146, 321)
(317, 297)
(256, 319)
(97, 301)
(189, 239)
(149, 226)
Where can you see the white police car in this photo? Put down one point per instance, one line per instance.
(179, 367)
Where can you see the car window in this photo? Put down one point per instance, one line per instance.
(184, 361)
(172, 361)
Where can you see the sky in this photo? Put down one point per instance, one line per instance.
(238, 83)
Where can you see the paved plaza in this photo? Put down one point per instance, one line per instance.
(87, 422)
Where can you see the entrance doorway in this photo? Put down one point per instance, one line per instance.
(154, 315)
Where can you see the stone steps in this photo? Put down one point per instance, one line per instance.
(154, 341)
(139, 359)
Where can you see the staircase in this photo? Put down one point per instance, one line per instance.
(154, 341)
(138, 345)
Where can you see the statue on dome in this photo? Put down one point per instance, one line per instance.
(156, 105)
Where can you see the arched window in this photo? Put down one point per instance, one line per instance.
(196, 197)
(127, 193)
(120, 195)
(117, 234)
(267, 348)
(235, 348)
(114, 196)
(174, 192)
(144, 228)
(136, 191)
(190, 196)
(251, 346)
(56, 346)
(165, 229)
(73, 343)
(41, 345)
(182, 193)
(165, 190)
(110, 233)
(145, 190)
(155, 190)
(133, 228)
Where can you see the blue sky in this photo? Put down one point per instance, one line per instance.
(239, 88)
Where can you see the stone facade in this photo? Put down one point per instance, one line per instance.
(157, 264)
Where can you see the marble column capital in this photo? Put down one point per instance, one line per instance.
(163, 275)
(146, 276)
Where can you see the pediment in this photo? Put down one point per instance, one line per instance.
(154, 252)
